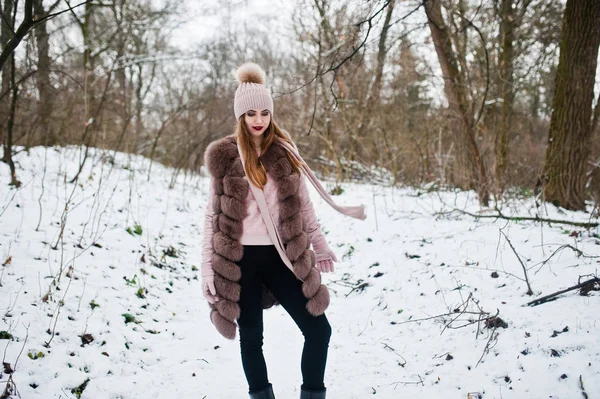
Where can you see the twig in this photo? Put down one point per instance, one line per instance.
(360, 284)
(37, 228)
(10, 383)
(366, 324)
(490, 270)
(61, 303)
(394, 350)
(458, 314)
(10, 328)
(408, 382)
(8, 260)
(529, 290)
(585, 395)
(82, 295)
(576, 250)
(488, 345)
(361, 287)
(11, 307)
(16, 190)
(442, 316)
(63, 217)
(375, 210)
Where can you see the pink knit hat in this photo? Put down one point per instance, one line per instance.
(252, 92)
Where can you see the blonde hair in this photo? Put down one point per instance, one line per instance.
(255, 170)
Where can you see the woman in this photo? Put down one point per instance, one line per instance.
(259, 227)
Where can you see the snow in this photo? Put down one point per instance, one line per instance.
(419, 257)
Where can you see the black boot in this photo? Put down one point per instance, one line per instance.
(266, 393)
(306, 394)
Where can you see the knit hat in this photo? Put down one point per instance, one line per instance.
(252, 92)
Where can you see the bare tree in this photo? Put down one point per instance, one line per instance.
(455, 89)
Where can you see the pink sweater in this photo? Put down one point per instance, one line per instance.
(254, 229)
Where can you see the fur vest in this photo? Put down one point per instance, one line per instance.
(230, 188)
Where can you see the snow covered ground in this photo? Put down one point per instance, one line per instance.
(115, 300)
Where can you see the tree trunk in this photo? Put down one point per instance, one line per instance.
(456, 92)
(381, 54)
(570, 133)
(8, 91)
(373, 95)
(506, 91)
(5, 34)
(87, 69)
(45, 89)
(11, 123)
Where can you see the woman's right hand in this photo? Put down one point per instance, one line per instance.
(208, 289)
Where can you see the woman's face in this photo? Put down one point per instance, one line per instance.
(257, 121)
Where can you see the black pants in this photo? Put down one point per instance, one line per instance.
(263, 265)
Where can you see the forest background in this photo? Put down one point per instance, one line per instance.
(493, 95)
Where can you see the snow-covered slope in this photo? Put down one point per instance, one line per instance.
(115, 299)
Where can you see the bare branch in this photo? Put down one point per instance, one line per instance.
(28, 23)
(335, 66)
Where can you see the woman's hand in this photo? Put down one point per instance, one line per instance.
(325, 265)
(208, 289)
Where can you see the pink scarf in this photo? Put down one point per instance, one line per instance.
(357, 212)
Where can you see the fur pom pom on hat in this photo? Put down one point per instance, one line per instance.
(251, 92)
(250, 73)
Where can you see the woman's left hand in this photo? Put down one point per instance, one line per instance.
(326, 265)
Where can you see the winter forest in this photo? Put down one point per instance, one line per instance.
(470, 129)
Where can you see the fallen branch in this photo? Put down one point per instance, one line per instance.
(500, 215)
(553, 296)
